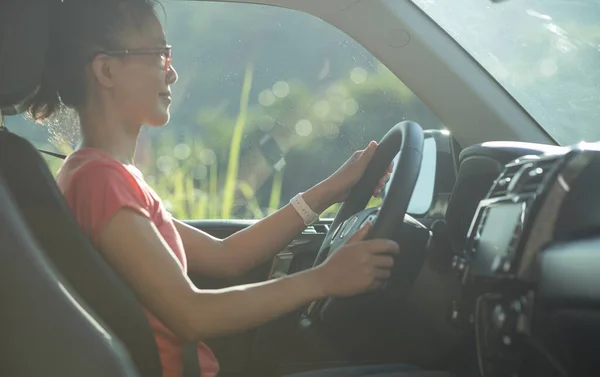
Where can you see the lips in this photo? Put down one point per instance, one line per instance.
(166, 96)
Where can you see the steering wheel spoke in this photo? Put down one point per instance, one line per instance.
(351, 226)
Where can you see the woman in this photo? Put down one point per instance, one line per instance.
(110, 62)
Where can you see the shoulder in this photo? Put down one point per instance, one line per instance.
(102, 173)
(92, 174)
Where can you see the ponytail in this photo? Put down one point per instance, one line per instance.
(78, 27)
(46, 100)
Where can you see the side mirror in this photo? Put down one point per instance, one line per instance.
(437, 176)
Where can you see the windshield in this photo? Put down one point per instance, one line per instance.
(545, 53)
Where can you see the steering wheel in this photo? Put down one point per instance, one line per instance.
(406, 139)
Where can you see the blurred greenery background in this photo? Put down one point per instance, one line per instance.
(246, 71)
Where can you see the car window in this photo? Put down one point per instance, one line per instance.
(269, 102)
(544, 53)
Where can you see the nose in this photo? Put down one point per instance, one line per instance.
(172, 75)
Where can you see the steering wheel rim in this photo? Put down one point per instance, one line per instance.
(406, 139)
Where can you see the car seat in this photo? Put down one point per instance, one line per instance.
(46, 330)
(24, 26)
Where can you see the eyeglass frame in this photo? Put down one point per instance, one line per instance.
(165, 52)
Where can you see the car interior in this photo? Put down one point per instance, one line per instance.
(498, 277)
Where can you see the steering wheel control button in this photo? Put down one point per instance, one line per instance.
(305, 323)
(499, 316)
(501, 265)
(335, 233)
(348, 226)
(459, 316)
(504, 182)
(495, 267)
(311, 307)
(459, 264)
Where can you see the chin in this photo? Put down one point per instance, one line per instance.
(158, 120)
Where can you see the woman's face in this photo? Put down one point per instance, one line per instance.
(142, 82)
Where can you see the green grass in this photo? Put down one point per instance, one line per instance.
(234, 149)
(216, 194)
(194, 187)
(219, 193)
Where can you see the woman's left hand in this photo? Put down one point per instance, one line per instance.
(340, 183)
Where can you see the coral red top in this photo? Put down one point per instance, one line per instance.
(96, 186)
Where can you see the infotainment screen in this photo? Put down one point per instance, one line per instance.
(500, 223)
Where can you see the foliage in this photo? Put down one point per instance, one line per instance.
(243, 75)
(196, 180)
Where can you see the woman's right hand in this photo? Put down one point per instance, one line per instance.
(358, 266)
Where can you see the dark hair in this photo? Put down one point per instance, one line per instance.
(78, 29)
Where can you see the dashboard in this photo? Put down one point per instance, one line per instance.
(524, 226)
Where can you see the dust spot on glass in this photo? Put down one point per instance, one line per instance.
(182, 151)
(331, 130)
(304, 127)
(165, 164)
(200, 172)
(358, 75)
(266, 98)
(208, 157)
(321, 109)
(548, 67)
(350, 107)
(281, 89)
(337, 92)
(266, 123)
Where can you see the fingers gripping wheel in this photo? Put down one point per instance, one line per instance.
(406, 139)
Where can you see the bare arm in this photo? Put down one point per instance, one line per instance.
(132, 244)
(261, 241)
(134, 247)
(250, 247)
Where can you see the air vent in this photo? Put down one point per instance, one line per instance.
(500, 187)
(533, 178)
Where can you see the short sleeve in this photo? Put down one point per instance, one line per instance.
(96, 192)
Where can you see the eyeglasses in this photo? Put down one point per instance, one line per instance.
(164, 52)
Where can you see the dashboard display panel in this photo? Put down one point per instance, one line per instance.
(500, 223)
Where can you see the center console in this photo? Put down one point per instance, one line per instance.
(529, 207)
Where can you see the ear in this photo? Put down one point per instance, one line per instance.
(103, 68)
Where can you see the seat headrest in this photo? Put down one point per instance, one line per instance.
(24, 30)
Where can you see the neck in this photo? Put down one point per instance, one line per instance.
(111, 134)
